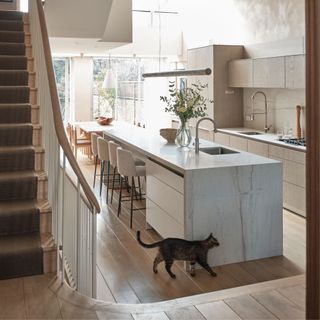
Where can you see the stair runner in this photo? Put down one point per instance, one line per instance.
(20, 246)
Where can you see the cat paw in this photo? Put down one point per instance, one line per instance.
(192, 274)
(213, 274)
(173, 276)
(155, 271)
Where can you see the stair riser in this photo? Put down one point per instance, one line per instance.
(13, 15)
(9, 25)
(17, 137)
(10, 114)
(19, 265)
(19, 189)
(19, 223)
(7, 79)
(17, 161)
(14, 63)
(15, 95)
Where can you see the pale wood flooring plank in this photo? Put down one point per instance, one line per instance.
(103, 291)
(248, 308)
(217, 310)
(150, 316)
(296, 294)
(113, 316)
(41, 302)
(190, 313)
(280, 306)
(71, 311)
(12, 304)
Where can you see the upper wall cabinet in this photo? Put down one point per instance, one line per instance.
(241, 73)
(295, 72)
(275, 72)
(269, 73)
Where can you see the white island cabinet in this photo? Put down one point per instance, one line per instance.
(237, 197)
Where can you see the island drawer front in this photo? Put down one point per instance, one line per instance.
(168, 177)
(167, 198)
(163, 223)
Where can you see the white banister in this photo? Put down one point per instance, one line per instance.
(74, 206)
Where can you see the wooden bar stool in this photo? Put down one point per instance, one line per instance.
(127, 168)
(94, 150)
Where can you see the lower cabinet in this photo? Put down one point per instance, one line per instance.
(165, 201)
(294, 170)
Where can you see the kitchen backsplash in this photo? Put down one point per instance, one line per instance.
(281, 108)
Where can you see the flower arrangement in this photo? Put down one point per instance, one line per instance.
(186, 103)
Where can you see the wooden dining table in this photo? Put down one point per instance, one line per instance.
(91, 127)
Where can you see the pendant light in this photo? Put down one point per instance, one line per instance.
(110, 79)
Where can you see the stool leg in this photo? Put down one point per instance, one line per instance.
(113, 176)
(135, 190)
(139, 188)
(95, 169)
(131, 206)
(108, 180)
(101, 175)
(120, 195)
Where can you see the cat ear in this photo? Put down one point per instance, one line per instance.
(210, 236)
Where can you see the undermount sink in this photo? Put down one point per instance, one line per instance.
(215, 151)
(250, 133)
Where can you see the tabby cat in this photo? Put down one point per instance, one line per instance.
(171, 249)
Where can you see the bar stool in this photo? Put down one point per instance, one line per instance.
(103, 154)
(127, 168)
(94, 150)
(112, 146)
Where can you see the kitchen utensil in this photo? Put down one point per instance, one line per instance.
(298, 125)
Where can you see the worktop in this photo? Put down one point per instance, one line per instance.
(180, 159)
(237, 197)
(269, 138)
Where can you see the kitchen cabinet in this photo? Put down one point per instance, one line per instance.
(227, 106)
(259, 148)
(239, 143)
(273, 72)
(241, 73)
(269, 72)
(295, 72)
(294, 169)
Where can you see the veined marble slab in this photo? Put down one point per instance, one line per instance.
(241, 206)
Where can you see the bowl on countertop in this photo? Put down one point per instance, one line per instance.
(169, 134)
(103, 121)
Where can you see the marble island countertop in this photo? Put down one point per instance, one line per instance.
(180, 159)
(270, 138)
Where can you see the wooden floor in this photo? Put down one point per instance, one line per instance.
(125, 275)
(44, 297)
(125, 268)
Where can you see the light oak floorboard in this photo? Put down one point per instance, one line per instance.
(217, 310)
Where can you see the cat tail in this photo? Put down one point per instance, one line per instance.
(152, 245)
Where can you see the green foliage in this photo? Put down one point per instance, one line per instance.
(188, 103)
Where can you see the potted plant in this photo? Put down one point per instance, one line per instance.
(186, 103)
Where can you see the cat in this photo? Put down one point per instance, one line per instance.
(171, 249)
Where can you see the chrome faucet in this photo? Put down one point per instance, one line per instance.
(266, 128)
(196, 140)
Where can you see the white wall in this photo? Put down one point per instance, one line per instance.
(81, 96)
(241, 21)
(10, 5)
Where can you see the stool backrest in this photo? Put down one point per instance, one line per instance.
(113, 152)
(125, 163)
(94, 143)
(103, 149)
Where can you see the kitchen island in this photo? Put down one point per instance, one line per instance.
(237, 196)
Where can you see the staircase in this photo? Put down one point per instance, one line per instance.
(26, 244)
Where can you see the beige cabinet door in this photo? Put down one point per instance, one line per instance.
(240, 73)
(295, 72)
(269, 73)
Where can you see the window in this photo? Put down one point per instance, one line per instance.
(62, 73)
(126, 101)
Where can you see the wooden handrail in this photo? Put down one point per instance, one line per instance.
(58, 123)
